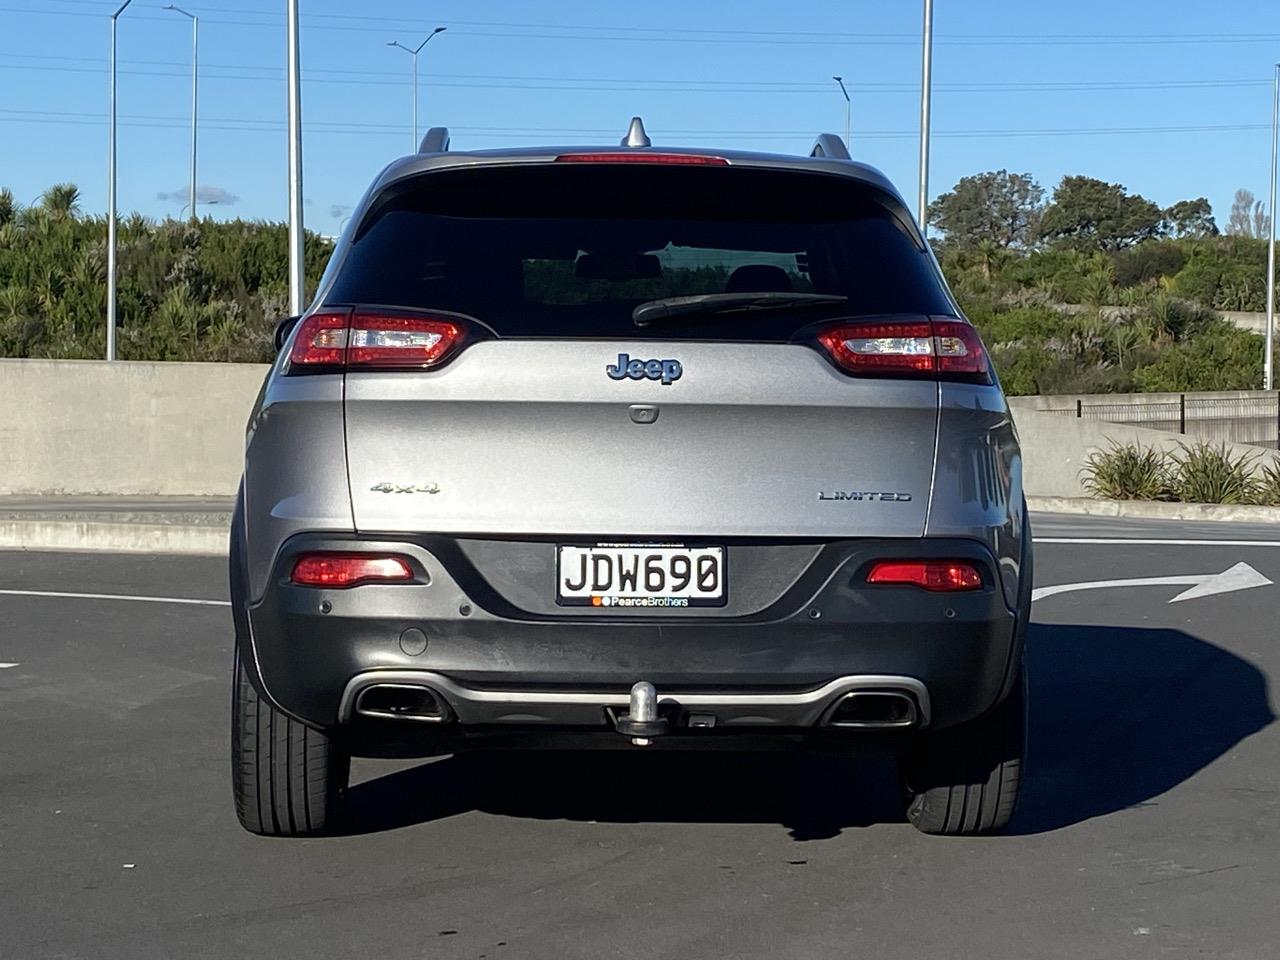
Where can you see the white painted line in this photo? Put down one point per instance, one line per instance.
(1040, 593)
(1117, 541)
(112, 596)
(1239, 577)
(7, 666)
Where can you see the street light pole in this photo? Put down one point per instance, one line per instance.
(1269, 365)
(297, 276)
(195, 94)
(413, 52)
(926, 96)
(111, 195)
(847, 107)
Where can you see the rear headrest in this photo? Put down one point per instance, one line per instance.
(758, 278)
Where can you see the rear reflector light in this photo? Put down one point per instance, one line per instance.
(637, 156)
(346, 339)
(940, 575)
(339, 570)
(946, 349)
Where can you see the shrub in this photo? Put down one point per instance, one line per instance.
(1227, 273)
(1148, 262)
(1266, 490)
(1221, 359)
(1127, 471)
(1204, 473)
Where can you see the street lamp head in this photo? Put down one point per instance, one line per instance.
(439, 29)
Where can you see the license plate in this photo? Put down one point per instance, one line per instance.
(640, 575)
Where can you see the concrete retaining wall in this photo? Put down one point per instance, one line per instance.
(1055, 447)
(85, 427)
(88, 427)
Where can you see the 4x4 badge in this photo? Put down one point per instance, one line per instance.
(668, 371)
(385, 487)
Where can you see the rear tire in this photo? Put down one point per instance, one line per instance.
(965, 780)
(287, 778)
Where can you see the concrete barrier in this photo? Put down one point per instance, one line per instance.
(1055, 447)
(89, 427)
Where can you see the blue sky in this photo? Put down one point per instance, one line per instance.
(1039, 87)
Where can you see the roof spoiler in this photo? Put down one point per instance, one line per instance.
(828, 145)
(436, 141)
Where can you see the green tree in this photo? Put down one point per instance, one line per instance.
(1093, 214)
(8, 209)
(997, 207)
(1190, 218)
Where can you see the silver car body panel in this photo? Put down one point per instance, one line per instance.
(295, 472)
(977, 486)
(531, 437)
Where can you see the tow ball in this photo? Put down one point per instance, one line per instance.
(641, 721)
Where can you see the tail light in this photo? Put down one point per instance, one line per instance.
(947, 576)
(933, 349)
(362, 340)
(340, 570)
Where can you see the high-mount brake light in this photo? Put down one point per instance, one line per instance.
(643, 156)
(924, 347)
(944, 576)
(365, 340)
(341, 570)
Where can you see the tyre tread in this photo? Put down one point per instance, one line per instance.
(286, 777)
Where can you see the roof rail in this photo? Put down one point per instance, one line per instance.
(436, 141)
(831, 146)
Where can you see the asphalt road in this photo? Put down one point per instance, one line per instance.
(1150, 825)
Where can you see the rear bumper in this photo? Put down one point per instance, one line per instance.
(779, 668)
(799, 709)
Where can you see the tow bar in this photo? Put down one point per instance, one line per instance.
(641, 721)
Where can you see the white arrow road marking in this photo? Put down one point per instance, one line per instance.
(1240, 577)
(6, 666)
(112, 596)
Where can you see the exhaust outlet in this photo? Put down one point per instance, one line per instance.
(878, 709)
(401, 701)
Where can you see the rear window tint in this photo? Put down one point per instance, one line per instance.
(569, 251)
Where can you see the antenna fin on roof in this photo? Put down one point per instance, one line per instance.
(636, 137)
(831, 146)
(436, 141)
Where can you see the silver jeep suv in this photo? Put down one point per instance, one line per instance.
(632, 447)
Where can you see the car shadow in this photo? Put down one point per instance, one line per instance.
(1118, 716)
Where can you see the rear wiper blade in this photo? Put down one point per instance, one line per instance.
(710, 304)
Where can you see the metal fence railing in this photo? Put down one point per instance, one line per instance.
(1245, 417)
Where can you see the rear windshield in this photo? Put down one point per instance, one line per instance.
(570, 250)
